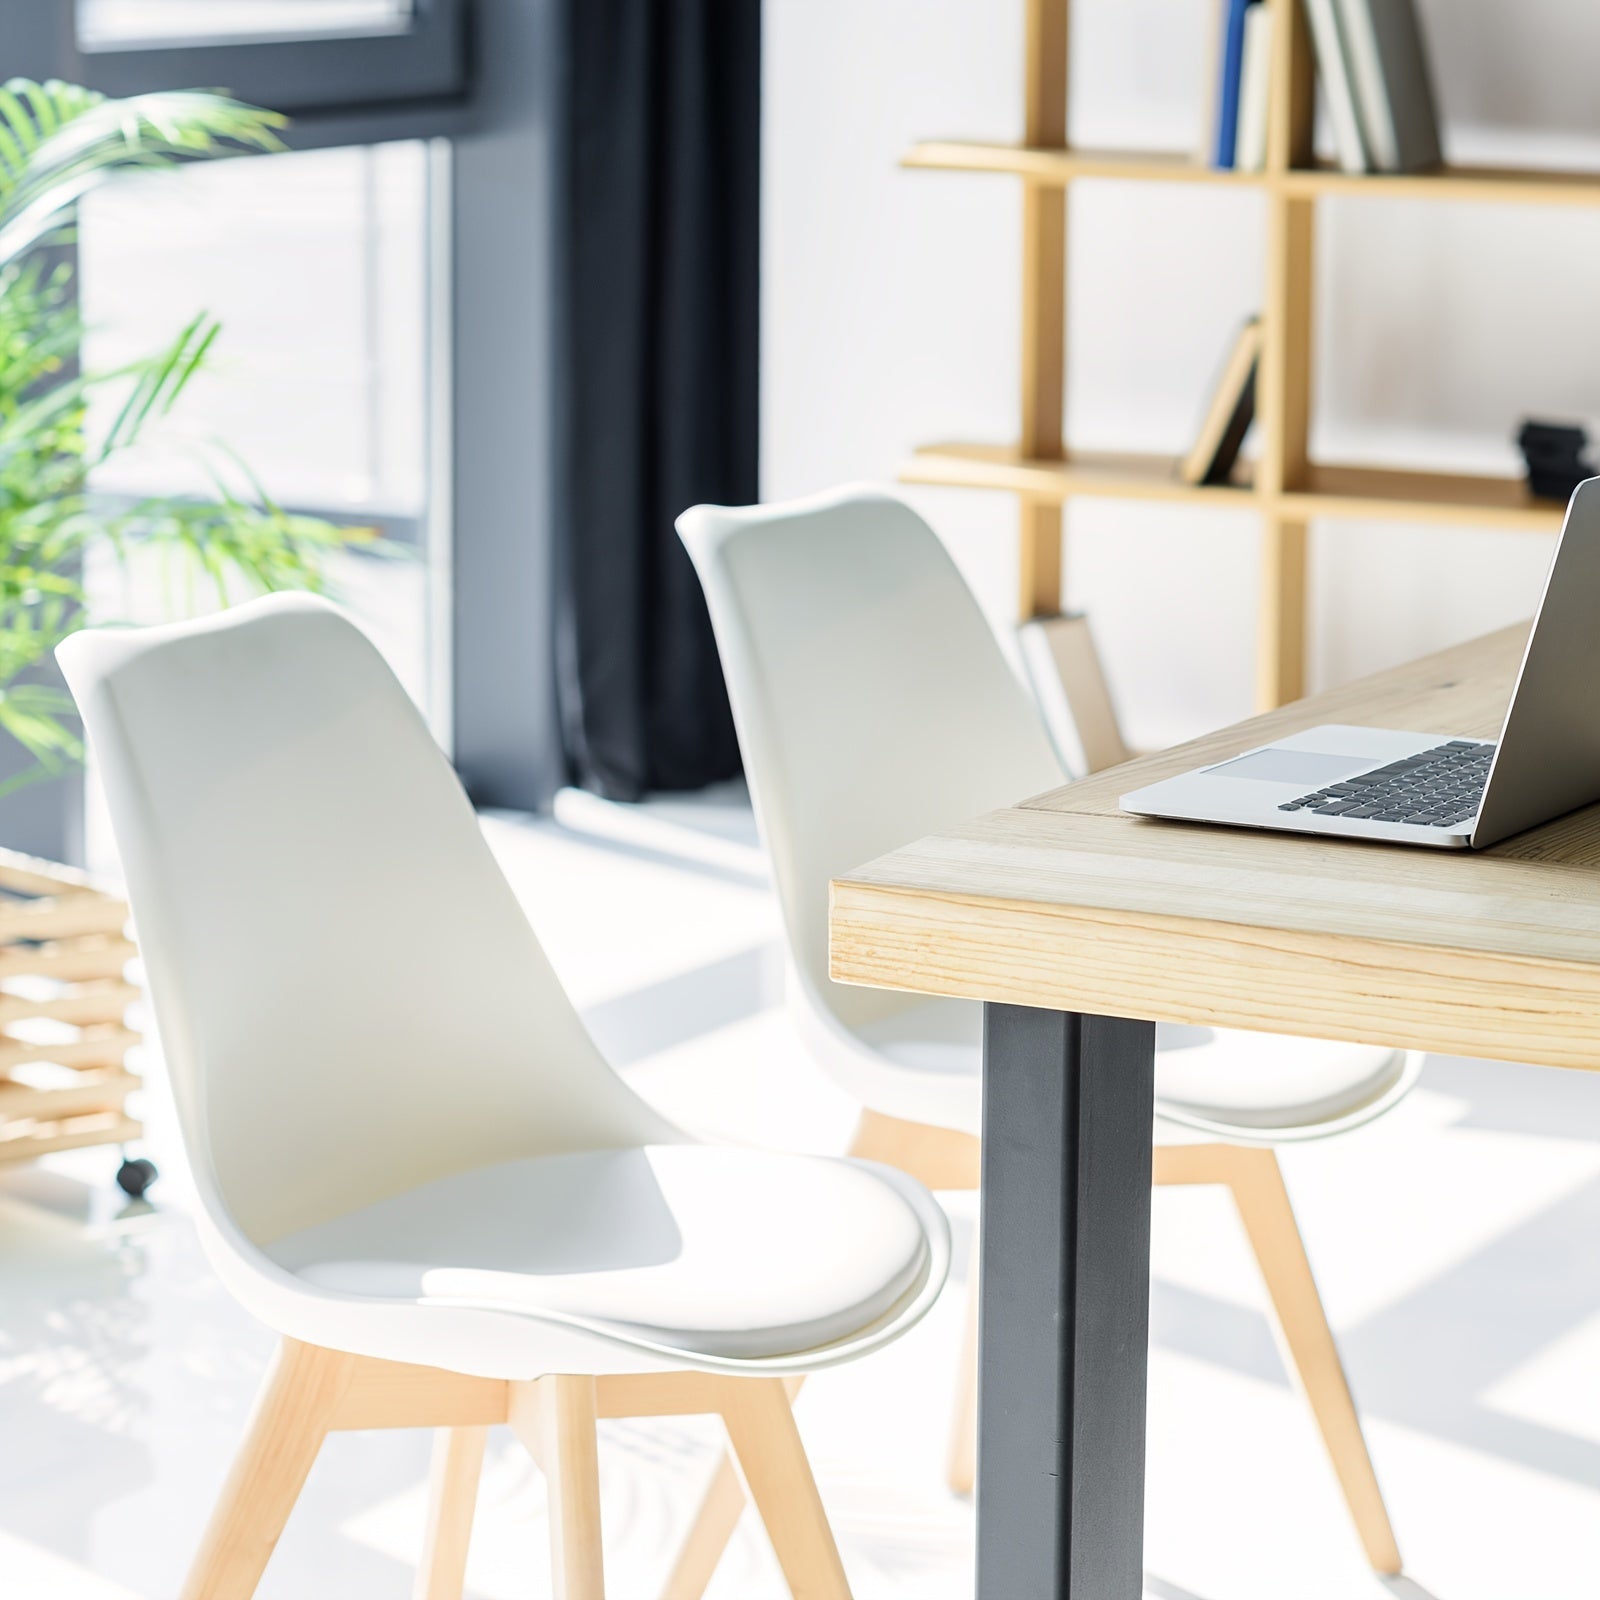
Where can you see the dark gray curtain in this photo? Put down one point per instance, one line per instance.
(659, 329)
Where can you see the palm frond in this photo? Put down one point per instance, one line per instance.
(39, 717)
(58, 142)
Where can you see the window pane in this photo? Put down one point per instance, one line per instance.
(316, 266)
(123, 24)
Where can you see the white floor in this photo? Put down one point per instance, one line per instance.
(1458, 1246)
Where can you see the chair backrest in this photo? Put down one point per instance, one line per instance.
(349, 997)
(874, 704)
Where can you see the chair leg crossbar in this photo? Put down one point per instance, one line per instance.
(312, 1392)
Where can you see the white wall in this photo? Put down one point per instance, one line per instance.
(890, 317)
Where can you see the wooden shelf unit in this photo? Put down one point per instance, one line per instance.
(64, 999)
(1284, 486)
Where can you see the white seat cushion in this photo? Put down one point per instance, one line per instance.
(1266, 1081)
(1258, 1083)
(706, 1249)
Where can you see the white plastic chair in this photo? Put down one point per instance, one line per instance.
(874, 707)
(411, 1160)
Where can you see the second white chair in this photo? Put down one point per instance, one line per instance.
(875, 706)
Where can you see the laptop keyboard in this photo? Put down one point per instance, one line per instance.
(1436, 789)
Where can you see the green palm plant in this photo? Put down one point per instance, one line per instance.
(58, 142)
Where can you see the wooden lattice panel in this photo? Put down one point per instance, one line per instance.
(64, 999)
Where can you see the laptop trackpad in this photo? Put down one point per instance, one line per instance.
(1311, 769)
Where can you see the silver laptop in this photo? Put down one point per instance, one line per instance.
(1419, 788)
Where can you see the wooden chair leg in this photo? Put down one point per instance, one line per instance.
(452, 1499)
(941, 1158)
(715, 1520)
(962, 1469)
(292, 1417)
(554, 1417)
(1256, 1180)
(938, 1158)
(777, 1476)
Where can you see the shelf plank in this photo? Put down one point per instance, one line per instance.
(27, 1142)
(98, 1092)
(1395, 495)
(1091, 473)
(1481, 185)
(1335, 491)
(1538, 186)
(1058, 166)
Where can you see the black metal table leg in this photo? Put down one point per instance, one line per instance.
(1065, 1305)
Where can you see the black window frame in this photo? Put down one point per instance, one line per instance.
(429, 59)
(485, 75)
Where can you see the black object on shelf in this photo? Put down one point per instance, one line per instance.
(1557, 456)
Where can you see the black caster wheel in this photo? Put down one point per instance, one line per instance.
(135, 1176)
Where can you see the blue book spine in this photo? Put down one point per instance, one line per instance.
(1228, 97)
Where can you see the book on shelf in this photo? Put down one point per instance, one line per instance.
(1229, 413)
(1373, 62)
(1255, 80)
(1387, 63)
(1211, 107)
(1333, 67)
(1228, 81)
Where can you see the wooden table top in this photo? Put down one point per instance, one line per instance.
(1064, 902)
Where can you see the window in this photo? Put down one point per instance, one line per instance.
(467, 204)
(128, 24)
(316, 264)
(294, 55)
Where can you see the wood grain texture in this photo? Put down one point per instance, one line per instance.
(777, 1477)
(398, 1394)
(68, 961)
(1039, 533)
(32, 875)
(1069, 644)
(660, 1394)
(1281, 612)
(62, 955)
(102, 1045)
(1045, 164)
(1291, 112)
(1064, 902)
(715, 1519)
(712, 1528)
(1283, 382)
(291, 1419)
(1496, 186)
(312, 1391)
(961, 1458)
(1334, 491)
(1391, 494)
(1095, 474)
(1043, 325)
(554, 1417)
(104, 1090)
(1255, 1180)
(452, 1500)
(76, 1131)
(938, 1158)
